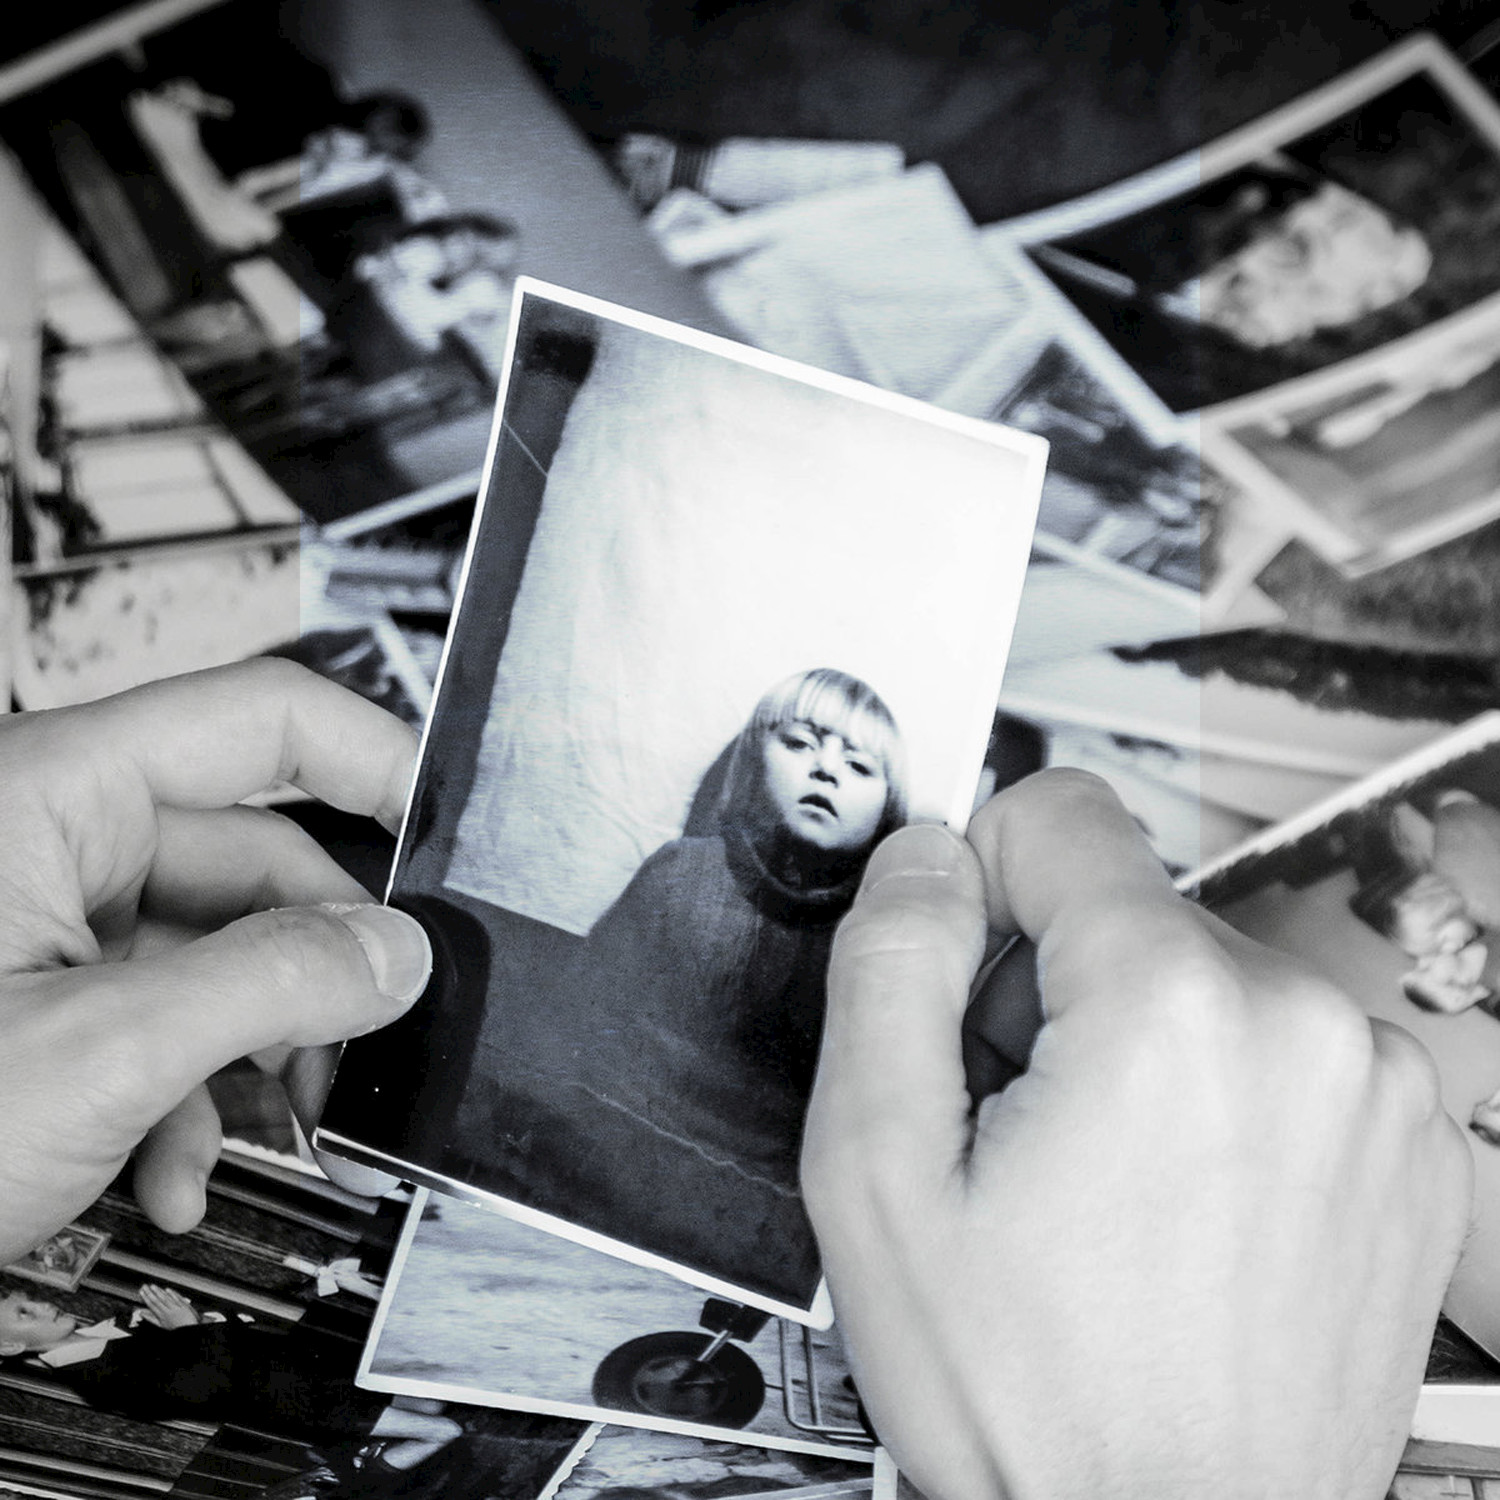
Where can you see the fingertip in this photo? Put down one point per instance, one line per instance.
(920, 850)
(173, 1164)
(367, 1182)
(394, 943)
(175, 1204)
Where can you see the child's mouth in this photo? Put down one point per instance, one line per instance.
(817, 799)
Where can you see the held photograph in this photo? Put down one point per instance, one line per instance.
(1392, 890)
(724, 622)
(1358, 214)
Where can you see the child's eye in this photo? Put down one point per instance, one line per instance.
(796, 740)
(861, 767)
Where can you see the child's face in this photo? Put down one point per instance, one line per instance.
(825, 789)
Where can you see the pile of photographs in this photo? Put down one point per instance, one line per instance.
(249, 354)
(257, 283)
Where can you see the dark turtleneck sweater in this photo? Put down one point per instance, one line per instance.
(695, 1013)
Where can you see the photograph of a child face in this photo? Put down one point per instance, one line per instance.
(724, 625)
(819, 767)
(1392, 890)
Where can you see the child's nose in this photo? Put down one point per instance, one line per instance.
(827, 764)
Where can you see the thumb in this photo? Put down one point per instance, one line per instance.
(303, 975)
(890, 1088)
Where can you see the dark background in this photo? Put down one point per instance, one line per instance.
(1022, 104)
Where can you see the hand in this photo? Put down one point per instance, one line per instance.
(1198, 1248)
(152, 931)
(169, 1309)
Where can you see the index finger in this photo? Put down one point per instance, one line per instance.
(1067, 868)
(211, 738)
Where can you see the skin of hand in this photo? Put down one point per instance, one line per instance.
(1198, 1248)
(152, 930)
(169, 1309)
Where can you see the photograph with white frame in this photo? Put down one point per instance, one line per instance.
(1378, 191)
(689, 557)
(623, 1463)
(316, 212)
(484, 1310)
(1115, 499)
(1385, 456)
(1391, 890)
(98, 627)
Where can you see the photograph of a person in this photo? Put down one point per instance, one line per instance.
(288, 203)
(604, 1341)
(1392, 890)
(1353, 216)
(725, 622)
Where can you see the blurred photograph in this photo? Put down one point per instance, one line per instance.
(1392, 889)
(288, 204)
(1352, 217)
(621, 1463)
(1385, 457)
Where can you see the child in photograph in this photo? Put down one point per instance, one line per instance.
(696, 1003)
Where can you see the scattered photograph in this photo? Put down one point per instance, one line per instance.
(122, 453)
(624, 1463)
(1392, 890)
(1443, 603)
(889, 1482)
(1069, 608)
(290, 205)
(1257, 696)
(63, 1260)
(1112, 496)
(1241, 534)
(82, 632)
(484, 1310)
(885, 281)
(1363, 212)
(708, 648)
(229, 1351)
(1385, 456)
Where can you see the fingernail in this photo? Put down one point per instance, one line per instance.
(395, 944)
(1456, 797)
(919, 849)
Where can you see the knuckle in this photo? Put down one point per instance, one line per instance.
(276, 677)
(1326, 1024)
(1192, 986)
(291, 948)
(1057, 785)
(1410, 1071)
